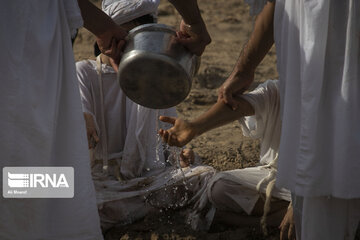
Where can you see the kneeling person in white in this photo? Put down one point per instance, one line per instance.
(239, 191)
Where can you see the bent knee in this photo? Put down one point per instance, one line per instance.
(220, 193)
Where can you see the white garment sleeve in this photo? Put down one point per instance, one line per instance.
(265, 101)
(83, 72)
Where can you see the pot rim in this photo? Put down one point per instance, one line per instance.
(151, 27)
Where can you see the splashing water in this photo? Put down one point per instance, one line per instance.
(160, 146)
(173, 159)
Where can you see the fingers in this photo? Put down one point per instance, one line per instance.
(194, 37)
(282, 234)
(93, 139)
(165, 136)
(116, 55)
(283, 228)
(170, 120)
(168, 137)
(283, 231)
(291, 232)
(184, 161)
(114, 65)
(220, 94)
(112, 51)
(88, 135)
(192, 44)
(287, 230)
(186, 157)
(228, 98)
(106, 39)
(189, 154)
(225, 94)
(181, 35)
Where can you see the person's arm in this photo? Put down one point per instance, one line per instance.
(193, 33)
(109, 36)
(219, 114)
(91, 133)
(253, 52)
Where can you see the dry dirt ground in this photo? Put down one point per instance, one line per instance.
(230, 25)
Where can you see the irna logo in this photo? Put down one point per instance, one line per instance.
(18, 180)
(38, 182)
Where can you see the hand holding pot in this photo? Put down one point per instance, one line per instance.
(194, 37)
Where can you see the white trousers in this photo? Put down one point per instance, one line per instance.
(326, 218)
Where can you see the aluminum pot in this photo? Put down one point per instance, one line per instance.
(156, 71)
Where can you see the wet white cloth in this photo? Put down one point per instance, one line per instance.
(171, 188)
(122, 11)
(41, 119)
(326, 218)
(318, 51)
(240, 185)
(148, 180)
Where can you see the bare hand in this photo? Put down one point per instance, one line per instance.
(194, 37)
(187, 157)
(235, 84)
(287, 226)
(91, 133)
(111, 43)
(180, 134)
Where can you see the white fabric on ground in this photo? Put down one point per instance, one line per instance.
(149, 181)
(318, 51)
(122, 11)
(41, 119)
(326, 218)
(242, 183)
(172, 188)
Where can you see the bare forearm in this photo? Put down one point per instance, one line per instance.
(220, 114)
(189, 10)
(95, 20)
(260, 42)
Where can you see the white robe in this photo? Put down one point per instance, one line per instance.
(149, 181)
(318, 51)
(41, 120)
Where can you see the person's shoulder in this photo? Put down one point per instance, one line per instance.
(270, 85)
(85, 65)
(85, 71)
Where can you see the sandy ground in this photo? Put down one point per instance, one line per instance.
(230, 25)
